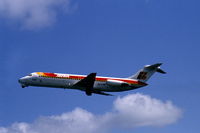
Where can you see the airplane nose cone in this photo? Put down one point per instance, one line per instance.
(21, 80)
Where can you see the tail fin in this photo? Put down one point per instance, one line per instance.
(145, 73)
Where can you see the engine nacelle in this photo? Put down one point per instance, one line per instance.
(117, 83)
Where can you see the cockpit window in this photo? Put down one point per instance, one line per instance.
(30, 75)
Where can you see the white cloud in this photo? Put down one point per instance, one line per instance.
(32, 14)
(131, 111)
(142, 110)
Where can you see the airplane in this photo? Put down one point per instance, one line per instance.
(91, 83)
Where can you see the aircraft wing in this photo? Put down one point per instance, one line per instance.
(87, 84)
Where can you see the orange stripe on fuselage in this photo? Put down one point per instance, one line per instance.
(101, 79)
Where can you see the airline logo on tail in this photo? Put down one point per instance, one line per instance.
(142, 76)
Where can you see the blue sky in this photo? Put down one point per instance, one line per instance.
(110, 37)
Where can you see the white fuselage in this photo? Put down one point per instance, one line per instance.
(58, 80)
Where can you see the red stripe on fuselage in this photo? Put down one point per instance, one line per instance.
(102, 79)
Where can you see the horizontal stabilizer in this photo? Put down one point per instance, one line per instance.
(155, 66)
(160, 71)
